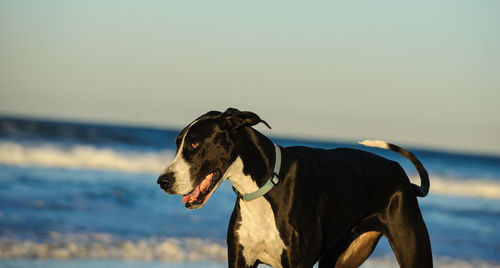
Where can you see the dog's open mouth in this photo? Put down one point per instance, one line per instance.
(202, 192)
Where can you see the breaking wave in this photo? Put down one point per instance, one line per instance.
(466, 188)
(89, 157)
(83, 156)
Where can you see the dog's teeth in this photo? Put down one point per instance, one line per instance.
(206, 181)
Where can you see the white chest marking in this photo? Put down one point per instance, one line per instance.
(257, 230)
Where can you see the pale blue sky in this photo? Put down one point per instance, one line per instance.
(421, 73)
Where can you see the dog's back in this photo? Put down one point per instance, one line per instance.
(336, 169)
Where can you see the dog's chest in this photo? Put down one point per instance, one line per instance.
(258, 233)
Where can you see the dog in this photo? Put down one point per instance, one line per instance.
(297, 206)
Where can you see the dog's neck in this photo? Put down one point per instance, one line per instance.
(256, 227)
(254, 163)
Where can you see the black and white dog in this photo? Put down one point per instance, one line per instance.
(298, 205)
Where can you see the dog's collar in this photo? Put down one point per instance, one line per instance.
(274, 180)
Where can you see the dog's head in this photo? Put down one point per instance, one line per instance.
(205, 150)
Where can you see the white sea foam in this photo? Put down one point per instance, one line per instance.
(464, 187)
(168, 250)
(104, 246)
(82, 156)
(445, 262)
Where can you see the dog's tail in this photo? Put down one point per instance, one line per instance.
(424, 177)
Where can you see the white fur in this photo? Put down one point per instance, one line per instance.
(257, 230)
(375, 143)
(183, 183)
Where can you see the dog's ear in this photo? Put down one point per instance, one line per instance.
(234, 119)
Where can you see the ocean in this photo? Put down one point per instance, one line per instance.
(85, 195)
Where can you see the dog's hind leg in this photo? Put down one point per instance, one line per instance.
(359, 250)
(352, 251)
(406, 232)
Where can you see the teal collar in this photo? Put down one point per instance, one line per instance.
(274, 180)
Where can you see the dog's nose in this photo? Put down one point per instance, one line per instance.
(165, 180)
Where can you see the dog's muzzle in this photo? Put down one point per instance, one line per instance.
(166, 180)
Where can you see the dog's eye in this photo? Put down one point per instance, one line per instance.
(195, 145)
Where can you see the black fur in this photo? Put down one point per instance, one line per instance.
(326, 199)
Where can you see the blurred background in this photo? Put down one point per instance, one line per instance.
(93, 93)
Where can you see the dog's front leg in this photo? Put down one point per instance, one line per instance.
(235, 256)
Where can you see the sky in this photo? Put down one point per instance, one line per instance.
(416, 73)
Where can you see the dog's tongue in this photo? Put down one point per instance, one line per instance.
(193, 196)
